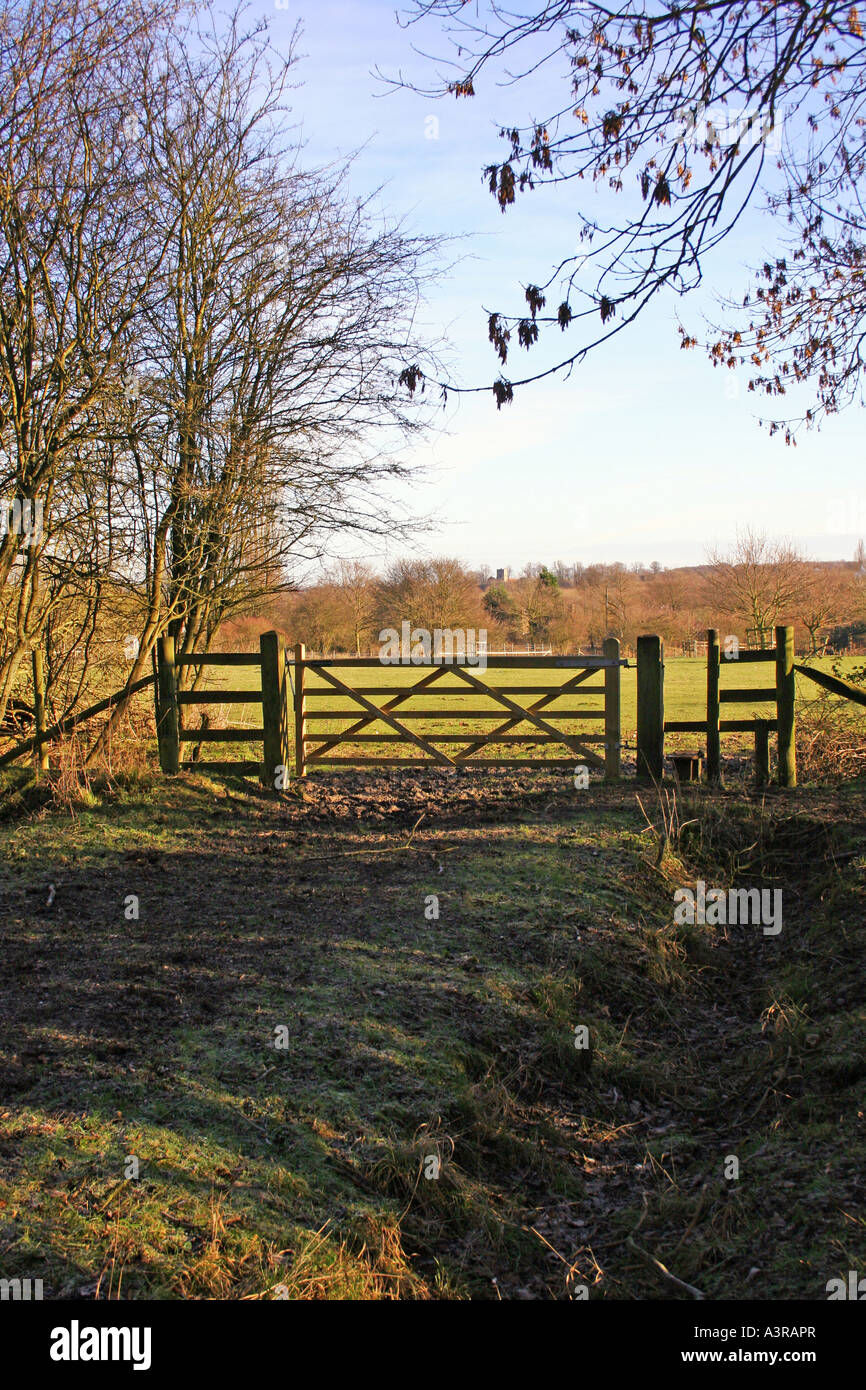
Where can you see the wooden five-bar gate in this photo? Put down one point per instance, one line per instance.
(300, 694)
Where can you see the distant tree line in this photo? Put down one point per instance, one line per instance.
(744, 591)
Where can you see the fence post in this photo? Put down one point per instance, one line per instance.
(275, 716)
(612, 735)
(168, 724)
(786, 690)
(714, 743)
(650, 709)
(762, 752)
(300, 712)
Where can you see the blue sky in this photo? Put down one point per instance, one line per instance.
(646, 452)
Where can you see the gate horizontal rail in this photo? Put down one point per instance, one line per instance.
(492, 663)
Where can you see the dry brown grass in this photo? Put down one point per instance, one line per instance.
(831, 742)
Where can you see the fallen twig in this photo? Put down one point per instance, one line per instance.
(665, 1273)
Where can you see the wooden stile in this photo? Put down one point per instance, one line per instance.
(781, 694)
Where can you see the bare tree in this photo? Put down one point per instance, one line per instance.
(320, 617)
(355, 586)
(760, 581)
(73, 276)
(268, 409)
(822, 603)
(439, 592)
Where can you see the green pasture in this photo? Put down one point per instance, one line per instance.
(685, 698)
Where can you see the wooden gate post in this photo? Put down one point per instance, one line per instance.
(650, 709)
(762, 752)
(714, 743)
(786, 690)
(168, 723)
(275, 715)
(612, 722)
(300, 712)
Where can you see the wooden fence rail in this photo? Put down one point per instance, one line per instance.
(833, 683)
(66, 726)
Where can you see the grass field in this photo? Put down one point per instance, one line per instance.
(685, 698)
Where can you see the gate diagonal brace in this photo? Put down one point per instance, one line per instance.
(376, 713)
(331, 740)
(521, 713)
(539, 704)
